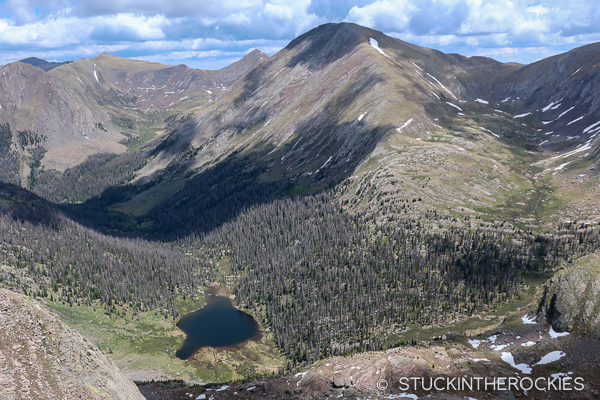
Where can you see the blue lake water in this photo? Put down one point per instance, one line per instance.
(218, 324)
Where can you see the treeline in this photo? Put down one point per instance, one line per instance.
(79, 265)
(89, 179)
(330, 283)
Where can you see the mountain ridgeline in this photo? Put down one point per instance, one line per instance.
(347, 187)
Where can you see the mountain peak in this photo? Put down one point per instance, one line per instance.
(43, 64)
(326, 43)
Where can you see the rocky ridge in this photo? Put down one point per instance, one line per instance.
(571, 298)
(41, 358)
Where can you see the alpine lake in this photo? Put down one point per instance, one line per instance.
(219, 324)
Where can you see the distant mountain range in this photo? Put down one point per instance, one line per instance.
(341, 103)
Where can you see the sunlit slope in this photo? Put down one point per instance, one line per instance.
(148, 86)
(67, 124)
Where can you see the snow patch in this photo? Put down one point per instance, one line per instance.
(508, 358)
(589, 128)
(549, 106)
(560, 167)
(586, 147)
(575, 120)
(96, 76)
(209, 92)
(576, 72)
(498, 347)
(302, 375)
(416, 65)
(326, 162)
(361, 116)
(402, 395)
(440, 83)
(565, 112)
(528, 344)
(404, 126)
(558, 375)
(522, 115)
(475, 342)
(482, 101)
(375, 45)
(551, 357)
(222, 388)
(553, 334)
(454, 105)
(527, 320)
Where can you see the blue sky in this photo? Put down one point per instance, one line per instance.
(212, 34)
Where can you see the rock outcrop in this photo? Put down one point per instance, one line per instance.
(41, 358)
(571, 298)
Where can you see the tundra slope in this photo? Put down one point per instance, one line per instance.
(388, 122)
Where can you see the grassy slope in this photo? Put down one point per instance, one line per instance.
(145, 348)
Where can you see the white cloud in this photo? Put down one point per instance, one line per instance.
(537, 9)
(63, 31)
(144, 28)
(382, 14)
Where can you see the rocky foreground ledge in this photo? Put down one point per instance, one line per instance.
(42, 358)
(516, 350)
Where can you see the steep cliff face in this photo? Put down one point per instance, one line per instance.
(41, 358)
(571, 299)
